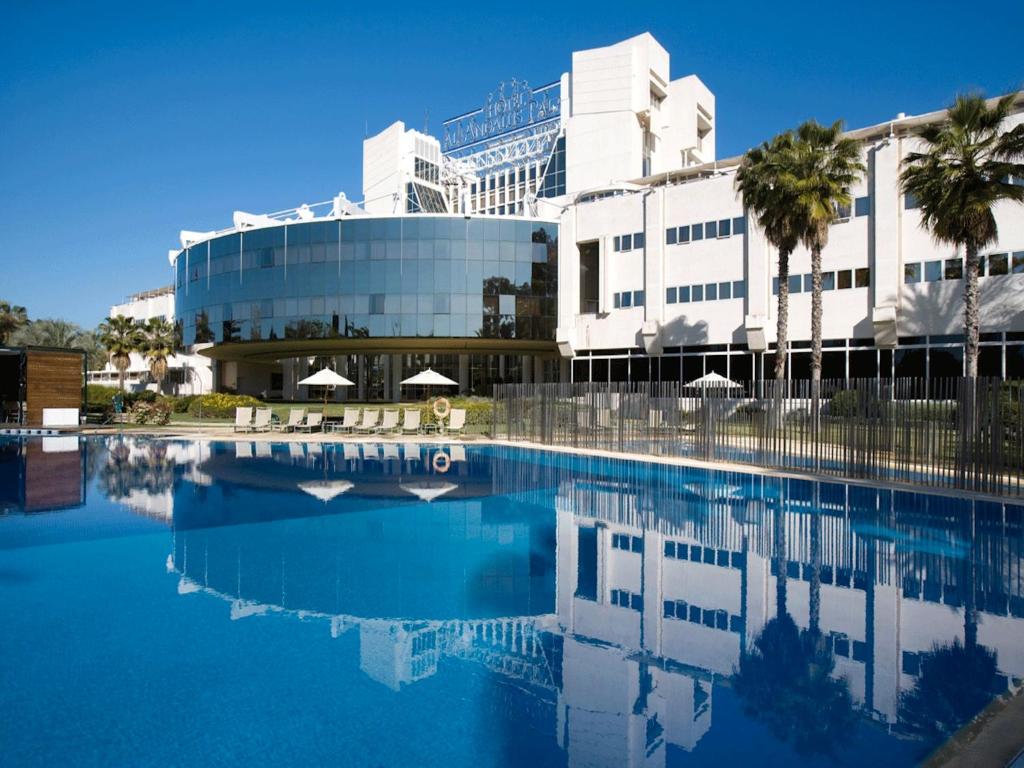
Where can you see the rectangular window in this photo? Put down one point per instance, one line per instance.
(670, 235)
(684, 234)
(911, 273)
(954, 269)
(711, 291)
(998, 264)
(617, 300)
(862, 206)
(739, 289)
(697, 293)
(1018, 262)
(828, 281)
(627, 242)
(377, 304)
(724, 227)
(739, 226)
(808, 283)
(775, 286)
(932, 271)
(794, 283)
(711, 230)
(627, 299)
(697, 230)
(684, 294)
(638, 298)
(845, 279)
(909, 201)
(725, 290)
(638, 240)
(617, 246)
(670, 295)
(862, 277)
(843, 212)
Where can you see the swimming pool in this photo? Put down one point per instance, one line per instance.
(174, 602)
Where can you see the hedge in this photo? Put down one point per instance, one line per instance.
(220, 405)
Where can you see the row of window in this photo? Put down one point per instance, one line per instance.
(697, 554)
(628, 299)
(992, 265)
(685, 294)
(708, 230)
(709, 617)
(627, 543)
(626, 599)
(839, 577)
(633, 242)
(830, 281)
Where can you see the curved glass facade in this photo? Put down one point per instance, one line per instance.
(369, 277)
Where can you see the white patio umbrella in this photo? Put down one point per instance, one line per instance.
(428, 490)
(429, 378)
(714, 380)
(325, 490)
(325, 377)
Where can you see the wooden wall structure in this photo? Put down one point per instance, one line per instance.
(49, 378)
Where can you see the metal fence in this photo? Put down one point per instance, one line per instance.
(956, 433)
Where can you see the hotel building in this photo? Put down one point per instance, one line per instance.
(582, 230)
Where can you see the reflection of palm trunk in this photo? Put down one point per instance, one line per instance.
(780, 558)
(815, 608)
(970, 599)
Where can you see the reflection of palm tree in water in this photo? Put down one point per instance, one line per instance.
(786, 679)
(152, 472)
(956, 680)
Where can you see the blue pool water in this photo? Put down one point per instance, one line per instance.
(181, 603)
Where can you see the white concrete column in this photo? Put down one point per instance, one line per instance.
(758, 260)
(884, 252)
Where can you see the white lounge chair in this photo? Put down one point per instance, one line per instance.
(243, 450)
(264, 450)
(312, 422)
(391, 452)
(296, 416)
(457, 421)
(371, 452)
(351, 451)
(297, 452)
(411, 421)
(370, 418)
(243, 419)
(261, 421)
(390, 421)
(349, 421)
(457, 453)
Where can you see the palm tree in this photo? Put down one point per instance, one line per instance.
(48, 333)
(967, 166)
(826, 164)
(764, 179)
(157, 345)
(12, 317)
(121, 336)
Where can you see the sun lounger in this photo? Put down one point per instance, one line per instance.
(243, 419)
(390, 421)
(457, 453)
(457, 421)
(243, 450)
(371, 452)
(349, 421)
(391, 451)
(351, 452)
(296, 416)
(370, 418)
(312, 422)
(297, 452)
(412, 452)
(263, 450)
(411, 421)
(261, 421)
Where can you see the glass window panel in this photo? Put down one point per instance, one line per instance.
(912, 273)
(697, 231)
(954, 269)
(638, 298)
(795, 281)
(711, 229)
(638, 240)
(739, 289)
(998, 264)
(862, 277)
(627, 242)
(627, 299)
(670, 235)
(697, 293)
(684, 234)
(684, 294)
(932, 271)
(670, 296)
(845, 279)
(711, 291)
(808, 283)
(862, 206)
(739, 225)
(725, 290)
(725, 227)
(1018, 262)
(828, 281)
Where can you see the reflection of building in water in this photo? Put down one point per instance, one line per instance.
(42, 474)
(141, 473)
(661, 579)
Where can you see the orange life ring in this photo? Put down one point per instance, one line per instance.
(442, 462)
(442, 407)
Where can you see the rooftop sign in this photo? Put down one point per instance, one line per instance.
(514, 105)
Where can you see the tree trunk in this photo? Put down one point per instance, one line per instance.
(780, 558)
(972, 314)
(815, 348)
(782, 332)
(815, 589)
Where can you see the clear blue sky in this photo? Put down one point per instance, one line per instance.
(122, 124)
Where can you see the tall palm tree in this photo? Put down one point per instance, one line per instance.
(826, 164)
(121, 336)
(157, 345)
(48, 333)
(966, 166)
(765, 180)
(12, 317)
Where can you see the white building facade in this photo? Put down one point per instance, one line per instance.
(657, 273)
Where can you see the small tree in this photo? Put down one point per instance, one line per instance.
(121, 336)
(12, 317)
(157, 345)
(966, 166)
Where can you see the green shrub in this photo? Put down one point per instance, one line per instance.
(158, 412)
(181, 404)
(98, 395)
(220, 405)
